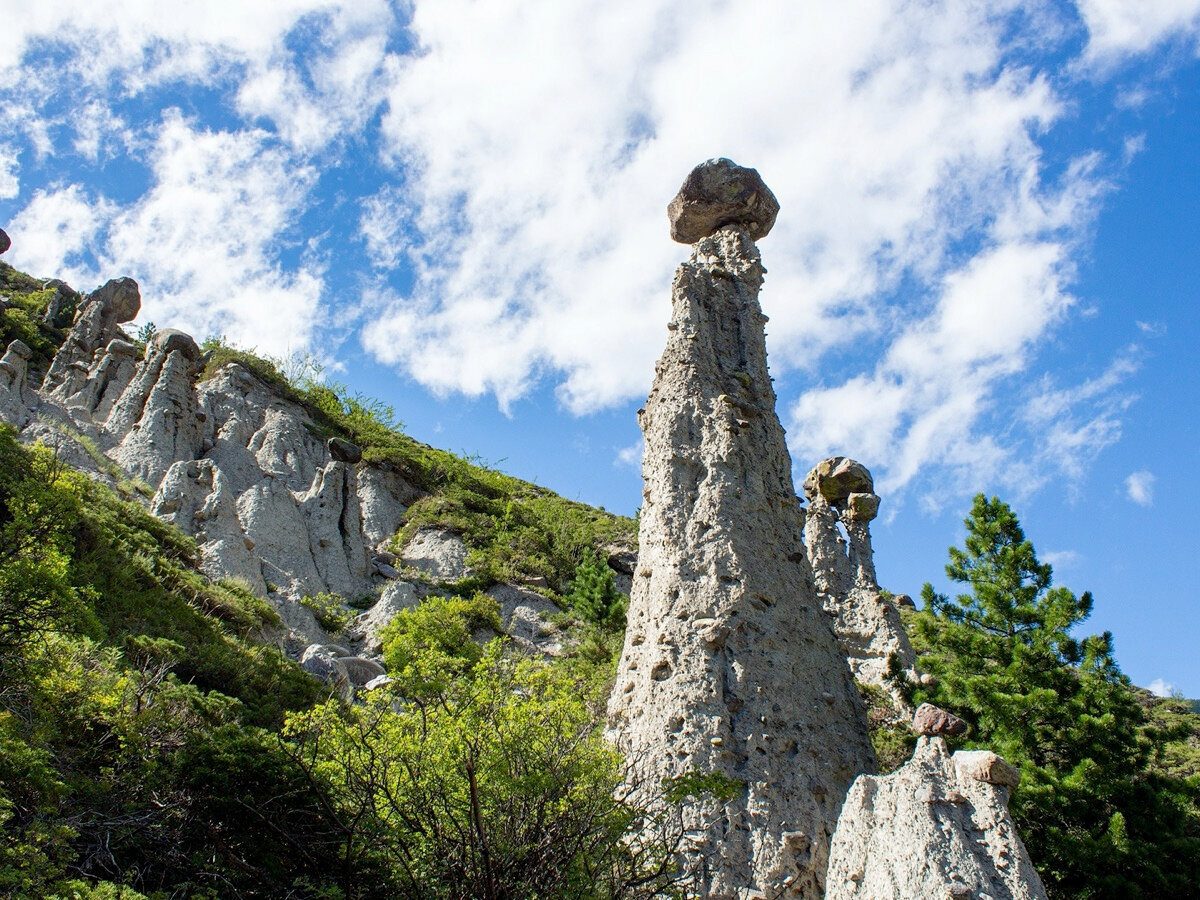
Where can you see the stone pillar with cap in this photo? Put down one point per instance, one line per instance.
(729, 667)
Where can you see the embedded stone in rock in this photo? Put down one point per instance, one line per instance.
(120, 299)
(343, 450)
(118, 347)
(5, 241)
(169, 341)
(719, 193)
(836, 479)
(320, 660)
(361, 671)
(930, 720)
(986, 766)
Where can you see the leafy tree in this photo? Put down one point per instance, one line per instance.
(430, 645)
(489, 781)
(1097, 818)
(36, 517)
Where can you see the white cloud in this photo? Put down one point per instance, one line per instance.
(1139, 487)
(309, 97)
(1161, 688)
(1152, 329)
(534, 146)
(206, 240)
(10, 183)
(543, 145)
(1060, 558)
(58, 233)
(97, 130)
(1121, 28)
(384, 224)
(630, 457)
(930, 398)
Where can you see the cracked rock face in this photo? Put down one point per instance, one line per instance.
(939, 827)
(837, 538)
(730, 667)
(719, 193)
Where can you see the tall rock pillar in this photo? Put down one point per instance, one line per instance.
(730, 668)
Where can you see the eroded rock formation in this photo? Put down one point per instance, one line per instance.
(231, 462)
(729, 666)
(837, 536)
(939, 827)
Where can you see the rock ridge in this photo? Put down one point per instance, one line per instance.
(245, 471)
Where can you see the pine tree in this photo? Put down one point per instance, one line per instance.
(594, 596)
(1096, 819)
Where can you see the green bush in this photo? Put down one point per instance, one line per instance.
(330, 611)
(593, 595)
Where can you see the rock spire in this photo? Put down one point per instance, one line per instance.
(870, 631)
(730, 668)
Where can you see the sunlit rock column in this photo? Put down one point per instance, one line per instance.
(730, 667)
(837, 536)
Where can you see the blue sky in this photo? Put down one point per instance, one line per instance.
(983, 276)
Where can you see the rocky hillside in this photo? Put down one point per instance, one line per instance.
(302, 494)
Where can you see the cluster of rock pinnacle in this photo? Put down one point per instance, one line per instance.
(750, 617)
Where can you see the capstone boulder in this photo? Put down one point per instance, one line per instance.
(719, 193)
(930, 720)
(836, 479)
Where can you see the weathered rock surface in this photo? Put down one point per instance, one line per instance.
(730, 666)
(64, 297)
(5, 241)
(234, 464)
(718, 193)
(868, 626)
(525, 616)
(932, 829)
(438, 553)
(16, 396)
(96, 323)
(396, 597)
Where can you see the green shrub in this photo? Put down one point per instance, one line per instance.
(594, 596)
(329, 610)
